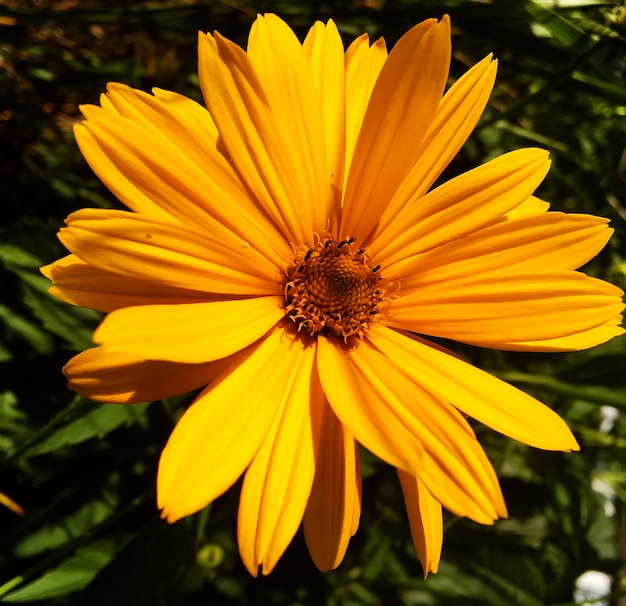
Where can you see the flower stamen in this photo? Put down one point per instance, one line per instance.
(331, 289)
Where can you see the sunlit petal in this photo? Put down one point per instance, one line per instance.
(500, 310)
(363, 64)
(144, 167)
(518, 245)
(529, 207)
(278, 481)
(374, 423)
(333, 510)
(425, 519)
(323, 50)
(455, 118)
(106, 375)
(273, 136)
(80, 283)
(454, 467)
(180, 256)
(476, 393)
(473, 200)
(401, 107)
(189, 333)
(210, 446)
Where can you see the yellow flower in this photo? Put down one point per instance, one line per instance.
(285, 251)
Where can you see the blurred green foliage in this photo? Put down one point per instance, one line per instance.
(85, 473)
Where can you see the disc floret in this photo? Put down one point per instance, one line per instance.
(332, 289)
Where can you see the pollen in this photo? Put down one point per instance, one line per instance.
(331, 289)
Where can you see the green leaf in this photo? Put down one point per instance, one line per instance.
(80, 422)
(67, 529)
(9, 411)
(515, 576)
(610, 89)
(14, 257)
(14, 427)
(103, 419)
(73, 324)
(27, 330)
(72, 575)
(554, 25)
(456, 586)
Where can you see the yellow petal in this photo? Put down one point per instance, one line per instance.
(190, 126)
(221, 432)
(475, 392)
(176, 256)
(454, 467)
(278, 155)
(323, 50)
(499, 310)
(117, 181)
(278, 481)
(368, 416)
(9, 503)
(189, 333)
(297, 110)
(401, 107)
(425, 520)
(471, 201)
(530, 206)
(552, 240)
(186, 123)
(363, 64)
(455, 119)
(335, 502)
(581, 340)
(106, 375)
(143, 165)
(456, 116)
(81, 284)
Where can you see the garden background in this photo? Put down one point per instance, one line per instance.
(84, 473)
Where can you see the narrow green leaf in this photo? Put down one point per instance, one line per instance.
(103, 419)
(73, 324)
(556, 26)
(455, 586)
(68, 528)
(610, 89)
(27, 330)
(14, 256)
(515, 576)
(72, 575)
(80, 422)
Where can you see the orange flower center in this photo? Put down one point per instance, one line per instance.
(331, 289)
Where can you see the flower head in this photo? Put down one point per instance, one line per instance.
(285, 250)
